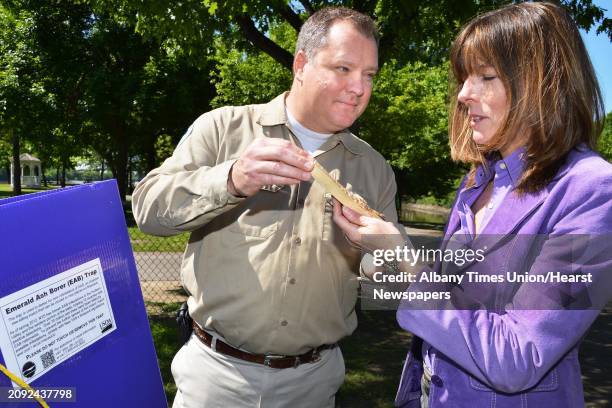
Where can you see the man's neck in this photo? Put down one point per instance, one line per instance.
(309, 139)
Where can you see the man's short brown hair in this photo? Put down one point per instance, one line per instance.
(313, 34)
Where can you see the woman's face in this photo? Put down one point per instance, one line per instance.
(484, 95)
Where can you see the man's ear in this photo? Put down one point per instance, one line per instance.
(299, 61)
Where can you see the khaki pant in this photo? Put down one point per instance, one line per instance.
(206, 379)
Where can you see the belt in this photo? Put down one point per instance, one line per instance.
(272, 361)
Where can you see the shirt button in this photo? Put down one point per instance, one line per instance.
(490, 206)
(437, 381)
(502, 166)
(292, 281)
(284, 323)
(298, 241)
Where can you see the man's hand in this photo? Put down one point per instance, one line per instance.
(366, 232)
(268, 161)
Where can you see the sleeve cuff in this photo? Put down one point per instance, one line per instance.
(217, 195)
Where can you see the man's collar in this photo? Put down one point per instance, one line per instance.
(350, 141)
(274, 113)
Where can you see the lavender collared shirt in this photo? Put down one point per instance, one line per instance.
(505, 174)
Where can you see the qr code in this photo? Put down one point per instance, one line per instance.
(48, 358)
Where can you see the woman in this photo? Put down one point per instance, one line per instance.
(526, 115)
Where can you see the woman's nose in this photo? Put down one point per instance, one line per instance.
(468, 91)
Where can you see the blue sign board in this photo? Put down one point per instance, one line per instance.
(72, 315)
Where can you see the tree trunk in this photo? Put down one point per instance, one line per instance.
(150, 155)
(118, 165)
(308, 7)
(42, 175)
(16, 162)
(63, 180)
(121, 165)
(290, 16)
(102, 170)
(259, 40)
(129, 176)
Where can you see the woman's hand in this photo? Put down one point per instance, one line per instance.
(366, 232)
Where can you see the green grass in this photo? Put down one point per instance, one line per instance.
(142, 242)
(166, 340)
(373, 356)
(6, 190)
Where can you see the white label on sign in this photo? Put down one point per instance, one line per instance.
(52, 320)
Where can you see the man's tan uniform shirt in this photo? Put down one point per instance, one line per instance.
(271, 273)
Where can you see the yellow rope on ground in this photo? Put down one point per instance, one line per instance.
(23, 385)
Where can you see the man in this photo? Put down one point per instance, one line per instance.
(272, 281)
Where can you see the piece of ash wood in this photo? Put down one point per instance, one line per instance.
(347, 198)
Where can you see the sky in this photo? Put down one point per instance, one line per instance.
(600, 51)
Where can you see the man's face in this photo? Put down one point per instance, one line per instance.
(336, 83)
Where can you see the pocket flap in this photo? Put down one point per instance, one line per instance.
(550, 382)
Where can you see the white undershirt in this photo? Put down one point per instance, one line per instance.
(309, 139)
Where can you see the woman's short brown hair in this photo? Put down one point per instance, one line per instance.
(553, 94)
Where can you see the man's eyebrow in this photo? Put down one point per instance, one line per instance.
(342, 61)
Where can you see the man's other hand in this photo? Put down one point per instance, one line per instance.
(368, 233)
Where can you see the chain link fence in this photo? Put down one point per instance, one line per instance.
(158, 260)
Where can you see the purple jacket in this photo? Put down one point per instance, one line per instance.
(516, 357)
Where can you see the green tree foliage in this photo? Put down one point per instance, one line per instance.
(410, 29)
(174, 90)
(74, 79)
(24, 101)
(60, 31)
(605, 142)
(126, 78)
(5, 153)
(138, 90)
(252, 43)
(243, 78)
(407, 122)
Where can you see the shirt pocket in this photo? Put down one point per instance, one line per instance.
(260, 215)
